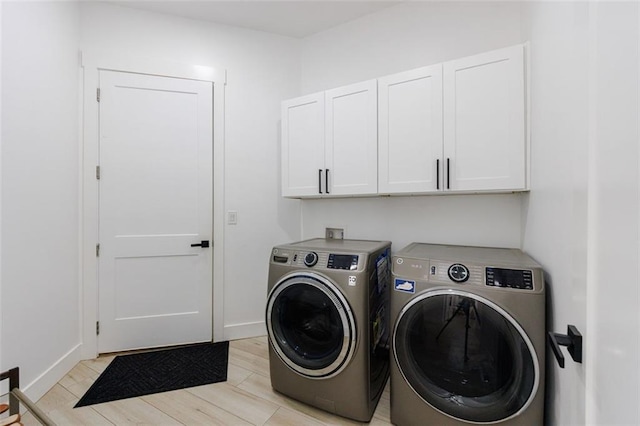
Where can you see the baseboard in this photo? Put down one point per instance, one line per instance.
(41, 385)
(244, 331)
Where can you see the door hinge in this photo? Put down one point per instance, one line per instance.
(97, 250)
(97, 328)
(98, 172)
(98, 94)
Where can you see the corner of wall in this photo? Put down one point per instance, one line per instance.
(41, 385)
(524, 209)
(1, 318)
(245, 331)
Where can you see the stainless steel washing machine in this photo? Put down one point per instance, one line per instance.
(468, 341)
(327, 318)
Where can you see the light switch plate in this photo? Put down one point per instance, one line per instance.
(232, 217)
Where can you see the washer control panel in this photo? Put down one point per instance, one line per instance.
(451, 266)
(510, 278)
(464, 273)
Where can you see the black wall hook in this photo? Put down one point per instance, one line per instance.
(572, 340)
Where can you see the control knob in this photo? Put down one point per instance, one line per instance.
(458, 273)
(311, 259)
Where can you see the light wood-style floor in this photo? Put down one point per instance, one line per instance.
(246, 398)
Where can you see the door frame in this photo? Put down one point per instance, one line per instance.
(92, 63)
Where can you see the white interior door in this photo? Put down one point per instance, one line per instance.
(155, 288)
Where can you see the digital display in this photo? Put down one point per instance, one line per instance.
(510, 278)
(343, 261)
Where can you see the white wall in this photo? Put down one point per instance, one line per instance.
(40, 292)
(2, 389)
(581, 218)
(481, 220)
(555, 212)
(406, 36)
(399, 38)
(262, 70)
(614, 297)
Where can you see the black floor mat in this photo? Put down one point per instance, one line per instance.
(145, 373)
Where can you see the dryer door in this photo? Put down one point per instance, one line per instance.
(465, 356)
(310, 325)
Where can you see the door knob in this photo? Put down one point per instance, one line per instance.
(203, 244)
(572, 340)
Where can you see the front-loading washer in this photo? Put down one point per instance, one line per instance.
(468, 341)
(327, 318)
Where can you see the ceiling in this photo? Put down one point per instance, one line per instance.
(293, 18)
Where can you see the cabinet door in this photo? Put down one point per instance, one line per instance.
(351, 159)
(484, 121)
(410, 131)
(302, 145)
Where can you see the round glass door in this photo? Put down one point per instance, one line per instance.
(310, 325)
(465, 356)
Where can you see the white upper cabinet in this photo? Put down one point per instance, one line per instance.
(410, 131)
(484, 122)
(457, 127)
(351, 152)
(302, 145)
(329, 143)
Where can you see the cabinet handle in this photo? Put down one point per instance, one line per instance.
(326, 180)
(438, 173)
(319, 181)
(448, 180)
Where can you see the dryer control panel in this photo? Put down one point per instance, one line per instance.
(318, 259)
(343, 261)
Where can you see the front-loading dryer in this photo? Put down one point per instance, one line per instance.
(468, 342)
(327, 317)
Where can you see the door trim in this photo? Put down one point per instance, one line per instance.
(91, 64)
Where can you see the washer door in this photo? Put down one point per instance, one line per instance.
(310, 325)
(465, 356)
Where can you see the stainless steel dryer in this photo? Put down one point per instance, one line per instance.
(327, 318)
(468, 341)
